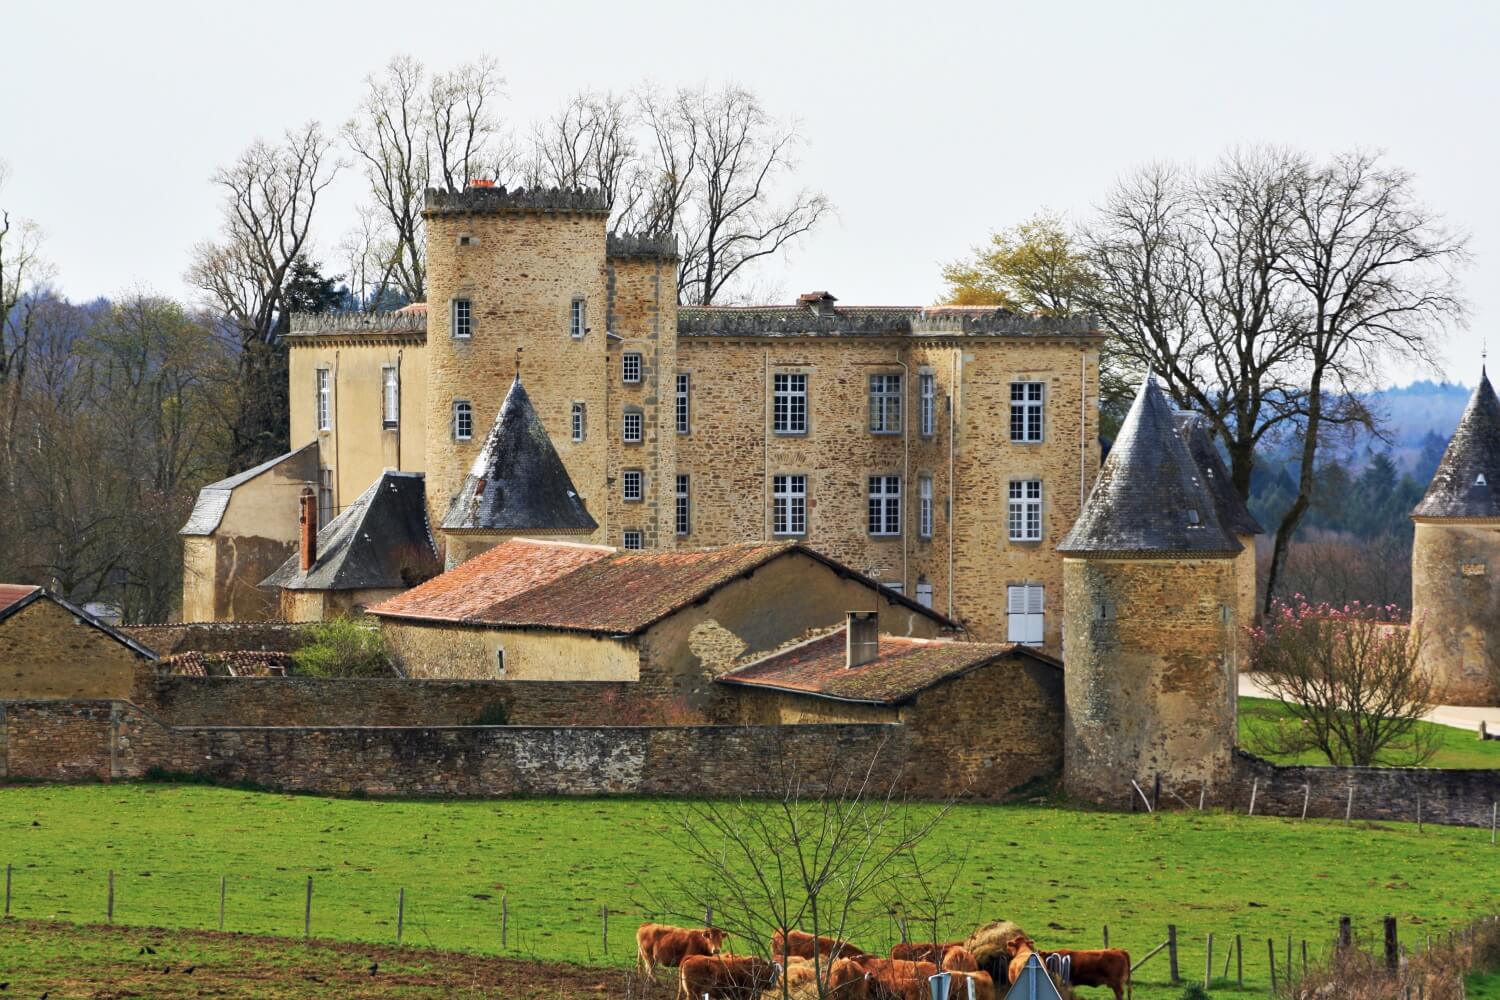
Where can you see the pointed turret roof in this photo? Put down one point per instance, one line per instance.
(1467, 478)
(518, 483)
(1233, 514)
(1150, 498)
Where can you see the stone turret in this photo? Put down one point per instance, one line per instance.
(1149, 620)
(508, 269)
(1456, 557)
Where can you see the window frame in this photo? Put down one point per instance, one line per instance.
(1023, 520)
(682, 403)
(1032, 616)
(461, 330)
(640, 539)
(578, 422)
(1028, 412)
(886, 404)
(466, 407)
(325, 496)
(927, 408)
(682, 512)
(638, 476)
(924, 594)
(795, 395)
(639, 416)
(323, 398)
(578, 317)
(924, 506)
(789, 505)
(390, 397)
(626, 357)
(883, 505)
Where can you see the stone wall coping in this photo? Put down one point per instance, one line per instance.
(1354, 770)
(499, 200)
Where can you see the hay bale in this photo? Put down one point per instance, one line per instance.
(989, 943)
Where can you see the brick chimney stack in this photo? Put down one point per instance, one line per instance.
(309, 524)
(862, 638)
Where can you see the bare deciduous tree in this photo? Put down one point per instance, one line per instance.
(717, 158)
(591, 143)
(1375, 270)
(22, 273)
(271, 194)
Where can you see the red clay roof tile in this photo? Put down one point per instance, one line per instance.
(14, 593)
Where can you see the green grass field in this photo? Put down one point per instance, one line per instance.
(1062, 874)
(1457, 748)
(1484, 986)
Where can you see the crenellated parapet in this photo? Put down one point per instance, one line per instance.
(345, 323)
(649, 246)
(500, 200)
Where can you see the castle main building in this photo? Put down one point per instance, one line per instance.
(944, 451)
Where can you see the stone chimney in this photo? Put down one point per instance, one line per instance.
(309, 524)
(821, 303)
(862, 638)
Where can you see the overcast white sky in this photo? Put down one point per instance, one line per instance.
(929, 123)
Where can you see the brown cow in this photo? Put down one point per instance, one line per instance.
(846, 979)
(663, 944)
(1099, 967)
(959, 959)
(800, 944)
(1021, 948)
(898, 979)
(925, 951)
(984, 986)
(725, 977)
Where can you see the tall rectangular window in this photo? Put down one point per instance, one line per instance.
(684, 402)
(634, 423)
(463, 420)
(684, 512)
(633, 488)
(462, 316)
(1026, 510)
(634, 539)
(1025, 608)
(789, 403)
(325, 496)
(1026, 400)
(924, 593)
(885, 505)
(924, 506)
(885, 404)
(579, 422)
(324, 400)
(630, 367)
(928, 384)
(789, 505)
(576, 317)
(390, 397)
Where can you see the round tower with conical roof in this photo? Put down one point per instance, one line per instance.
(1150, 625)
(1455, 559)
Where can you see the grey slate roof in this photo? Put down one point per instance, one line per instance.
(381, 540)
(213, 499)
(1469, 474)
(1233, 514)
(517, 482)
(1150, 497)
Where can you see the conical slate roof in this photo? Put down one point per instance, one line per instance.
(1467, 477)
(1233, 514)
(518, 483)
(1150, 498)
(380, 541)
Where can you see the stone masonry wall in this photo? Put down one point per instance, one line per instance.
(1455, 583)
(218, 637)
(47, 653)
(1453, 797)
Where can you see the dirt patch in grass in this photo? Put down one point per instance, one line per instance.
(106, 963)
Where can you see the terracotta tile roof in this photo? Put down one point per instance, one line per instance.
(14, 593)
(238, 663)
(904, 668)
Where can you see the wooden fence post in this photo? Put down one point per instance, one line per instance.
(1392, 956)
(1271, 950)
(1106, 935)
(7, 890)
(1419, 812)
(1254, 790)
(1239, 962)
(1208, 963)
(1306, 795)
(1291, 970)
(1304, 956)
(1172, 950)
(604, 927)
(221, 903)
(708, 916)
(109, 903)
(504, 919)
(1349, 809)
(400, 914)
(1494, 812)
(307, 911)
(1346, 932)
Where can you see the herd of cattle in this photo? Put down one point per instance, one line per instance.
(995, 953)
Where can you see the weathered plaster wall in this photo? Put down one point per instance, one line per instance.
(433, 650)
(1151, 682)
(1455, 594)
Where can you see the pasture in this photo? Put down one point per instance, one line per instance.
(1061, 873)
(1456, 748)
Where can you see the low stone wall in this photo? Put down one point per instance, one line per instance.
(117, 740)
(388, 701)
(218, 637)
(1453, 797)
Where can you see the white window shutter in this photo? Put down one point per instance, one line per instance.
(1035, 600)
(1015, 600)
(1034, 628)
